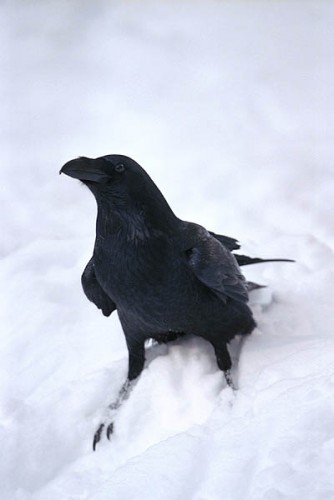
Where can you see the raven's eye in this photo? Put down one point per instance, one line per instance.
(119, 168)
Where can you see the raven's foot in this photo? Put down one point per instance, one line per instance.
(107, 425)
(229, 379)
(109, 429)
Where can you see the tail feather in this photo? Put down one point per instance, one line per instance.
(244, 260)
(250, 285)
(227, 241)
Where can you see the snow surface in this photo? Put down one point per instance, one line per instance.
(229, 106)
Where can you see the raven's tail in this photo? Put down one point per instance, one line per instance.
(244, 260)
(250, 285)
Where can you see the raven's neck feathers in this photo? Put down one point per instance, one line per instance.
(137, 220)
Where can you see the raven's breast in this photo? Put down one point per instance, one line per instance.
(151, 285)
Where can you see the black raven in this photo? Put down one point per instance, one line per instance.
(164, 276)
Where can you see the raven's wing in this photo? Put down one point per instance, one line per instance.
(227, 241)
(94, 291)
(213, 264)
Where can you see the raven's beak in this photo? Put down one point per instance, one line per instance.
(84, 169)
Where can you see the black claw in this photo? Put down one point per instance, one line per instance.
(97, 435)
(110, 430)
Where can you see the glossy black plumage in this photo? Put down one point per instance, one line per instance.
(164, 276)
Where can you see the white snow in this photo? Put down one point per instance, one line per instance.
(229, 106)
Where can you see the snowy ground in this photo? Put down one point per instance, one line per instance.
(229, 106)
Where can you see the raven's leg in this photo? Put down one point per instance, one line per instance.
(112, 409)
(224, 361)
(136, 365)
(136, 358)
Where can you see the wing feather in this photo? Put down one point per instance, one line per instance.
(94, 292)
(214, 265)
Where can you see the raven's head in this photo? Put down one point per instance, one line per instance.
(118, 182)
(111, 177)
(104, 171)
